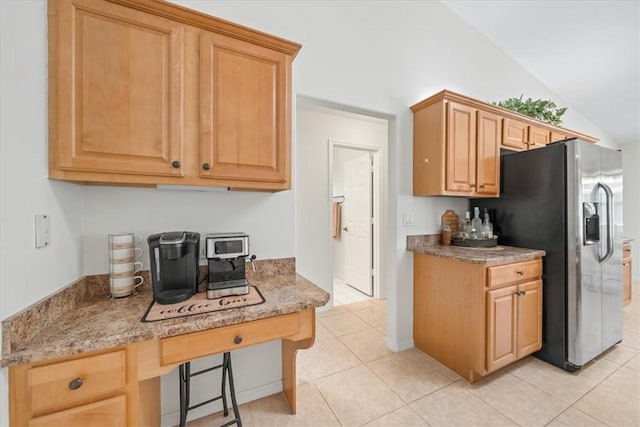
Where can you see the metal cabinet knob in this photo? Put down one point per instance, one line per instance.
(206, 166)
(237, 339)
(345, 228)
(175, 164)
(481, 185)
(520, 273)
(472, 186)
(75, 383)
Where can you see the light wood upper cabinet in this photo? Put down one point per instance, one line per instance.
(538, 137)
(515, 134)
(118, 104)
(457, 142)
(556, 136)
(146, 92)
(455, 151)
(460, 148)
(245, 112)
(488, 153)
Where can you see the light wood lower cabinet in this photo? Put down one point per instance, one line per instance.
(95, 390)
(109, 412)
(476, 319)
(626, 274)
(121, 386)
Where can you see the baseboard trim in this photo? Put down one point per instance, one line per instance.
(396, 346)
(173, 418)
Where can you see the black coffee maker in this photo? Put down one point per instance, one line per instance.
(174, 265)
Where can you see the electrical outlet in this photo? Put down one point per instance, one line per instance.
(43, 231)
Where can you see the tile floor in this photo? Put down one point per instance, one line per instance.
(345, 294)
(350, 378)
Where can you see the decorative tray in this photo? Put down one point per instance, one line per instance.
(475, 243)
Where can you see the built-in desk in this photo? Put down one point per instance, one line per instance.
(98, 364)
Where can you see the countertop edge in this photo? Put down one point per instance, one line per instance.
(428, 245)
(308, 296)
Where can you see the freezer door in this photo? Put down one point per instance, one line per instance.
(594, 309)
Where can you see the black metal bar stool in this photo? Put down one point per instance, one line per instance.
(185, 390)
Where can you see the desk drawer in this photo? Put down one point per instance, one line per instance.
(187, 347)
(110, 412)
(513, 273)
(81, 380)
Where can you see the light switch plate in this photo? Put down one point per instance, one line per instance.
(408, 219)
(43, 231)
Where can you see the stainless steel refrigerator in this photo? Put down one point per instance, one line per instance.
(567, 199)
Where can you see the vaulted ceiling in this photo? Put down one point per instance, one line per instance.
(587, 52)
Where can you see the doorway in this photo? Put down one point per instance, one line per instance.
(353, 173)
(325, 131)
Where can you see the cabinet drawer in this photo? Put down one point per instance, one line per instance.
(626, 250)
(186, 347)
(110, 412)
(512, 273)
(51, 387)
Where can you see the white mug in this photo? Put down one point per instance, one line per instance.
(126, 255)
(124, 240)
(124, 286)
(125, 269)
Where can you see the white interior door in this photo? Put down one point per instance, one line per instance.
(357, 226)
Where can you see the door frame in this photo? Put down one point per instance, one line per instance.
(378, 291)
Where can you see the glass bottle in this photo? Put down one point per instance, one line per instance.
(487, 227)
(476, 223)
(466, 225)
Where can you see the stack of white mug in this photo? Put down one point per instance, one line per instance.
(123, 265)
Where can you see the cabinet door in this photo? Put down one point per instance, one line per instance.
(556, 136)
(538, 137)
(626, 281)
(488, 153)
(501, 327)
(461, 148)
(245, 115)
(117, 87)
(110, 412)
(515, 135)
(529, 322)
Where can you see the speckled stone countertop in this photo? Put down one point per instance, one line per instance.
(98, 322)
(627, 240)
(429, 245)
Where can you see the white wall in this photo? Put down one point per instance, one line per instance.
(315, 126)
(380, 56)
(340, 156)
(28, 274)
(631, 202)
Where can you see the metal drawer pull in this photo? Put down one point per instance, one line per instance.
(237, 339)
(520, 273)
(75, 383)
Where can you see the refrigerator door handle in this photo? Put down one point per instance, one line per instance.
(609, 194)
